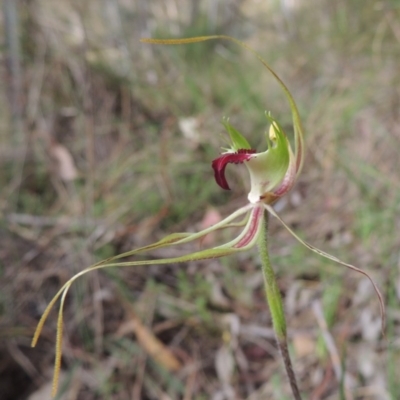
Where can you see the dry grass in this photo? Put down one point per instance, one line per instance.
(113, 150)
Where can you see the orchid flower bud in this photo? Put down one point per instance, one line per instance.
(272, 172)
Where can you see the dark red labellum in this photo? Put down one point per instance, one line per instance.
(220, 163)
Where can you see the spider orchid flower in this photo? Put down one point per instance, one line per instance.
(272, 174)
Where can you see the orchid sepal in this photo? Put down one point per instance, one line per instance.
(244, 241)
(336, 260)
(297, 124)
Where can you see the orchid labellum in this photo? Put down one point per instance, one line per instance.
(272, 173)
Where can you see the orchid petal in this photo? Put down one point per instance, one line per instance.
(335, 259)
(253, 228)
(201, 255)
(173, 239)
(243, 242)
(250, 232)
(185, 237)
(197, 256)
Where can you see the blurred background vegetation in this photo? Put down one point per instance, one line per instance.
(106, 145)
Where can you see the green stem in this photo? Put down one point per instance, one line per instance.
(274, 300)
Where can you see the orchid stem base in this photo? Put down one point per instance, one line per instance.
(274, 300)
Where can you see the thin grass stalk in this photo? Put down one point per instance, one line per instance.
(13, 64)
(275, 304)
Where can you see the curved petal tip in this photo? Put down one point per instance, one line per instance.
(220, 163)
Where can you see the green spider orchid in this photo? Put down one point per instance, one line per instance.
(272, 174)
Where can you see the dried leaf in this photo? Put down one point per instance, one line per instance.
(217, 296)
(154, 347)
(65, 164)
(190, 129)
(224, 364)
(303, 345)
